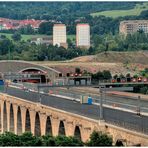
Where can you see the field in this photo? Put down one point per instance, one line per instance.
(27, 37)
(121, 13)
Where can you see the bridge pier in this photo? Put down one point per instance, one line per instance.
(69, 128)
(55, 126)
(43, 119)
(8, 115)
(15, 108)
(2, 116)
(23, 118)
(85, 134)
(32, 120)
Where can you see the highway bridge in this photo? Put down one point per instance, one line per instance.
(82, 118)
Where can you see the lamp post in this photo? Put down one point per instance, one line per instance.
(138, 106)
(101, 101)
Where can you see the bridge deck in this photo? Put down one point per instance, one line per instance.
(117, 117)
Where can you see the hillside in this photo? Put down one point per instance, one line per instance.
(116, 62)
(52, 10)
(117, 57)
(121, 13)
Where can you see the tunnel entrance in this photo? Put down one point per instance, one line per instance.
(33, 75)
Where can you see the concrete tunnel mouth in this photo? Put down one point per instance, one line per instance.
(33, 75)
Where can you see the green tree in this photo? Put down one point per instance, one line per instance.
(115, 76)
(128, 75)
(46, 28)
(121, 76)
(48, 140)
(16, 36)
(107, 75)
(98, 76)
(9, 139)
(27, 139)
(144, 90)
(67, 141)
(99, 139)
(77, 70)
(27, 30)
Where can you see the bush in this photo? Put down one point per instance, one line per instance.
(99, 139)
(67, 141)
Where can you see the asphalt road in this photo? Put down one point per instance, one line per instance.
(124, 119)
(123, 102)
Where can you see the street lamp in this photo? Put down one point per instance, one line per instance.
(138, 106)
(101, 101)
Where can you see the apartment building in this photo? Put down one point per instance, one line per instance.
(59, 35)
(132, 26)
(83, 36)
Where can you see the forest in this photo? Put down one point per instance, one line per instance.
(55, 10)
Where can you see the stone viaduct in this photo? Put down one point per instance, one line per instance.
(18, 116)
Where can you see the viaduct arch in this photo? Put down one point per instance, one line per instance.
(53, 121)
(18, 118)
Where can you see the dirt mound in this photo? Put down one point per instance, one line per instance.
(116, 57)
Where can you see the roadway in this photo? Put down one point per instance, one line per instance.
(117, 117)
(125, 102)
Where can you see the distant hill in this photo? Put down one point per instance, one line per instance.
(116, 62)
(121, 13)
(52, 10)
(116, 57)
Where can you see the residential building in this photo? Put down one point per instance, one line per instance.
(7, 24)
(59, 35)
(42, 40)
(83, 36)
(132, 26)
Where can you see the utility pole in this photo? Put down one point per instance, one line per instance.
(101, 102)
(39, 97)
(138, 106)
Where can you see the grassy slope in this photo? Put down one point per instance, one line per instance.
(26, 37)
(115, 57)
(116, 62)
(117, 13)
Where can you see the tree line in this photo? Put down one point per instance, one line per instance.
(57, 10)
(27, 139)
(69, 14)
(18, 49)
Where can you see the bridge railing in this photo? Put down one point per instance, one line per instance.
(136, 125)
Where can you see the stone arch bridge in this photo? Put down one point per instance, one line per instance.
(18, 116)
